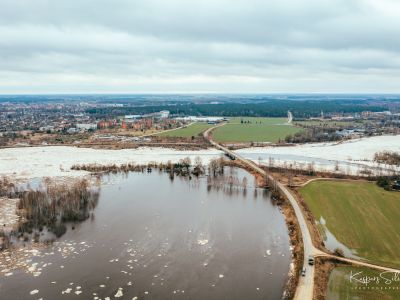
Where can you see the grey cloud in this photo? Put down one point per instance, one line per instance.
(185, 45)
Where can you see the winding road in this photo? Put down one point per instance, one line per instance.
(305, 286)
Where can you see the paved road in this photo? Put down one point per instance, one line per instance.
(290, 117)
(169, 130)
(305, 287)
(306, 284)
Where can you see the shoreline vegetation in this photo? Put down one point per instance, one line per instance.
(43, 212)
(184, 167)
(216, 168)
(46, 209)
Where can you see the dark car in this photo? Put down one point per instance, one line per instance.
(311, 260)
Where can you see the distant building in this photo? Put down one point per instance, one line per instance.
(212, 120)
(106, 124)
(72, 130)
(47, 128)
(164, 114)
(132, 117)
(88, 126)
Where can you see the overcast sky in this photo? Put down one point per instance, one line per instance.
(74, 46)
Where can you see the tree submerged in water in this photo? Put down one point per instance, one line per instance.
(55, 204)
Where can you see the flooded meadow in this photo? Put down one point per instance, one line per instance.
(153, 236)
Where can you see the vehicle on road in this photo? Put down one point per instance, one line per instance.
(303, 272)
(311, 260)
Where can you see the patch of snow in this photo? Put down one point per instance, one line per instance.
(351, 155)
(36, 162)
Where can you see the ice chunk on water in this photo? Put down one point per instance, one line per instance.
(202, 242)
(34, 292)
(119, 293)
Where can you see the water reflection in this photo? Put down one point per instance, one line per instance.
(46, 210)
(160, 239)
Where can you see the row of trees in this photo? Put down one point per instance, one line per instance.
(387, 157)
(183, 167)
(264, 108)
(313, 135)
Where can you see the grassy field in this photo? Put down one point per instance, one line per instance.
(361, 216)
(340, 286)
(191, 130)
(257, 130)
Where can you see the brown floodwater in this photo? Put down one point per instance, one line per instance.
(151, 237)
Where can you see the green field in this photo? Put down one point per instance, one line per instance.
(362, 216)
(257, 130)
(191, 130)
(341, 287)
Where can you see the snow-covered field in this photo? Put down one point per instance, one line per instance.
(34, 162)
(350, 155)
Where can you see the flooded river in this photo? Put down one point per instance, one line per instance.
(151, 237)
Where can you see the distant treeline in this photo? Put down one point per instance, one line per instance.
(271, 108)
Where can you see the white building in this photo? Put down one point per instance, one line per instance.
(202, 119)
(164, 114)
(132, 117)
(86, 126)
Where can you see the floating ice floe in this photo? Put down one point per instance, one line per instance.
(119, 293)
(202, 242)
(34, 292)
(67, 291)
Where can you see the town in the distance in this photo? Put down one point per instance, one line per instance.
(200, 196)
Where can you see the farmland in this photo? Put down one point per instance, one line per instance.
(360, 215)
(254, 130)
(189, 131)
(341, 287)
